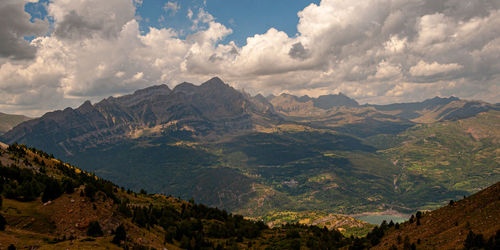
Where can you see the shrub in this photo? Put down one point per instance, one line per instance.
(120, 235)
(3, 222)
(94, 229)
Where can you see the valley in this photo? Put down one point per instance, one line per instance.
(49, 204)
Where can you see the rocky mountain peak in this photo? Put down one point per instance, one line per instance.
(330, 101)
(214, 82)
(86, 107)
(185, 87)
(158, 89)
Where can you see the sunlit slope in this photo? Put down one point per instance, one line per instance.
(453, 156)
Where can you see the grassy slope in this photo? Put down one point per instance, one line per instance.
(447, 159)
(447, 227)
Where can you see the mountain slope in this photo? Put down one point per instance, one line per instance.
(448, 157)
(49, 204)
(436, 109)
(449, 226)
(7, 121)
(305, 105)
(209, 110)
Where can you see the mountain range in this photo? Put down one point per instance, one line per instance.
(256, 155)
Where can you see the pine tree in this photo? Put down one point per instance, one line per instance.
(52, 190)
(94, 229)
(474, 241)
(120, 235)
(3, 222)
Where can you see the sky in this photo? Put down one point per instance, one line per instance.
(59, 53)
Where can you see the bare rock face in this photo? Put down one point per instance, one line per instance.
(209, 110)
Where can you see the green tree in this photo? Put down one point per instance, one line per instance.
(68, 186)
(120, 235)
(185, 242)
(140, 217)
(3, 222)
(170, 233)
(29, 190)
(90, 191)
(474, 241)
(94, 229)
(418, 215)
(124, 209)
(52, 190)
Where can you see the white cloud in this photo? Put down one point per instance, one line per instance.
(375, 50)
(86, 19)
(386, 71)
(432, 69)
(14, 25)
(171, 7)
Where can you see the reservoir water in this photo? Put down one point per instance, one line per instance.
(377, 219)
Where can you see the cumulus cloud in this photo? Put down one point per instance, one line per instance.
(14, 25)
(432, 69)
(86, 19)
(377, 51)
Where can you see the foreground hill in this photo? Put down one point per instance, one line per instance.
(7, 122)
(449, 227)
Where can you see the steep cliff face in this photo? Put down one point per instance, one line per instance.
(209, 110)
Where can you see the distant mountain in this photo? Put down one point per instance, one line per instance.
(304, 105)
(436, 109)
(7, 121)
(209, 110)
(427, 111)
(330, 101)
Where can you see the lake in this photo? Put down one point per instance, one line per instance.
(377, 219)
